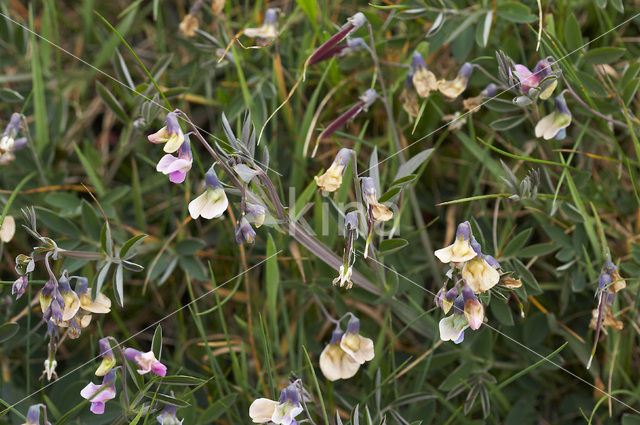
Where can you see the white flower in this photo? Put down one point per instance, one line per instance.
(8, 229)
(263, 410)
(452, 328)
(460, 250)
(335, 363)
(213, 202)
(554, 124)
(359, 348)
(479, 275)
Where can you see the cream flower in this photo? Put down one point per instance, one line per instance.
(454, 88)
(359, 348)
(335, 363)
(379, 211)
(424, 80)
(479, 275)
(460, 250)
(554, 124)
(263, 410)
(213, 202)
(101, 305)
(8, 229)
(331, 180)
(171, 134)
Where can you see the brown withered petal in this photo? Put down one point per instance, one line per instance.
(425, 82)
(618, 283)
(471, 103)
(189, 25)
(511, 283)
(608, 320)
(217, 6)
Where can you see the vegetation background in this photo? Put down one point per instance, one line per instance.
(89, 106)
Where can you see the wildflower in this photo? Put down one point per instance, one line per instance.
(217, 6)
(335, 363)
(177, 167)
(263, 410)
(255, 213)
(424, 80)
(453, 88)
(460, 250)
(379, 211)
(8, 229)
(554, 124)
(71, 300)
(352, 25)
(473, 310)
(452, 328)
(268, 31)
(541, 79)
(33, 415)
(472, 103)
(108, 359)
(445, 299)
(189, 25)
(244, 232)
(331, 180)
(8, 142)
(24, 264)
(409, 97)
(480, 275)
(344, 277)
(355, 345)
(102, 303)
(19, 286)
(366, 100)
(98, 395)
(168, 416)
(213, 202)
(147, 362)
(171, 134)
(50, 368)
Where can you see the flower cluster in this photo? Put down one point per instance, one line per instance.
(475, 273)
(346, 352)
(9, 141)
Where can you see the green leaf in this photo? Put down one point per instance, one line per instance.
(8, 330)
(537, 250)
(273, 283)
(502, 124)
(100, 278)
(112, 103)
(516, 12)
(389, 194)
(58, 224)
(413, 164)
(591, 84)
(501, 311)
(310, 8)
(10, 96)
(628, 419)
(63, 200)
(118, 286)
(90, 221)
(516, 243)
(156, 347)
(572, 33)
(182, 380)
(39, 101)
(629, 91)
(602, 55)
(484, 29)
(388, 246)
(527, 278)
(137, 417)
(167, 399)
(189, 246)
(91, 173)
(218, 408)
(193, 266)
(132, 243)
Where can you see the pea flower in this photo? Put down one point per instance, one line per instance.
(473, 309)
(263, 410)
(8, 229)
(71, 300)
(555, 124)
(177, 167)
(244, 232)
(268, 31)
(335, 363)
(453, 88)
(379, 211)
(328, 47)
(108, 359)
(171, 134)
(213, 202)
(424, 80)
(444, 299)
(102, 303)
(351, 46)
(98, 395)
(331, 180)
(541, 79)
(168, 416)
(460, 250)
(366, 100)
(19, 287)
(472, 103)
(255, 213)
(480, 275)
(147, 362)
(452, 327)
(359, 348)
(8, 142)
(33, 415)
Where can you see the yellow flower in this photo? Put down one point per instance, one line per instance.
(331, 180)
(460, 250)
(379, 211)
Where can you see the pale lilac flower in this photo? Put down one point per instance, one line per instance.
(213, 202)
(255, 213)
(171, 134)
(168, 416)
(473, 309)
(177, 167)
(538, 79)
(8, 142)
(244, 232)
(331, 180)
(554, 125)
(19, 286)
(147, 362)
(335, 363)
(100, 394)
(33, 415)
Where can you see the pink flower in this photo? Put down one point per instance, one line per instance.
(98, 395)
(177, 167)
(147, 362)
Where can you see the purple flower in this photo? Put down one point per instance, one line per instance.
(168, 416)
(244, 232)
(255, 213)
(19, 286)
(327, 48)
(366, 100)
(98, 395)
(33, 415)
(177, 167)
(147, 362)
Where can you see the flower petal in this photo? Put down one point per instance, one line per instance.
(262, 409)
